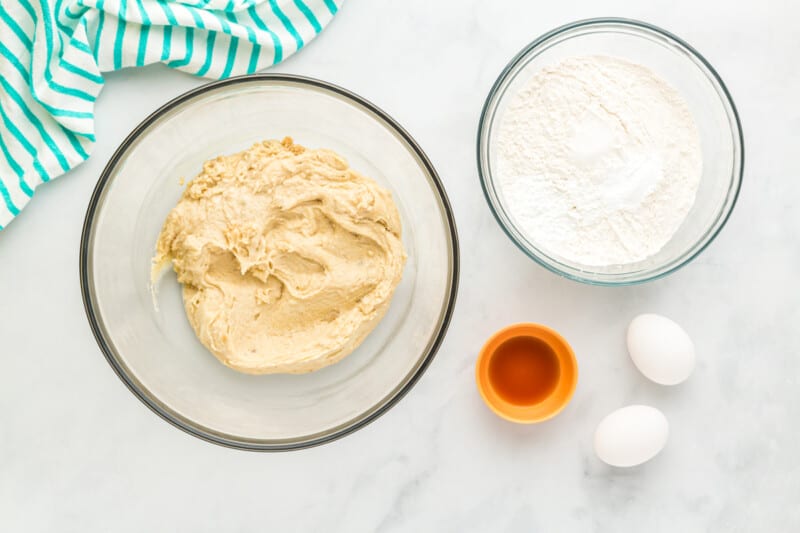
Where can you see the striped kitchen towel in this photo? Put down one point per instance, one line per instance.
(53, 54)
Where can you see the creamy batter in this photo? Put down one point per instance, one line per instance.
(288, 257)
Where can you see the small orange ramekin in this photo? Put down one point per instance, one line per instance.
(547, 407)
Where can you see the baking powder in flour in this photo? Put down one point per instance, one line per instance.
(598, 160)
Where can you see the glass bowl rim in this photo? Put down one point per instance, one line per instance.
(198, 430)
(492, 100)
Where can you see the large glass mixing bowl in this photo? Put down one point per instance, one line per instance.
(153, 348)
(709, 101)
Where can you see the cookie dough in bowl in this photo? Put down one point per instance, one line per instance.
(152, 346)
(288, 258)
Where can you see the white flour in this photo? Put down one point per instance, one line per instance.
(598, 160)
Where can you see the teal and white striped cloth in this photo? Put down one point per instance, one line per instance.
(53, 54)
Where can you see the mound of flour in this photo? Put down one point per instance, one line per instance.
(598, 160)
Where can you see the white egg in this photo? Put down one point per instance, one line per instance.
(661, 349)
(631, 435)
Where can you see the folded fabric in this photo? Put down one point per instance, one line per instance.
(53, 54)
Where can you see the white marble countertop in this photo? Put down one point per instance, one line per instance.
(79, 453)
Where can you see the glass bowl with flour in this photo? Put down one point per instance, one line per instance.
(610, 151)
